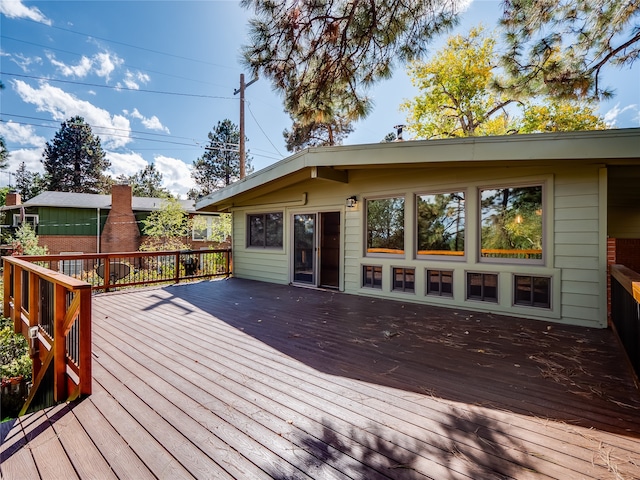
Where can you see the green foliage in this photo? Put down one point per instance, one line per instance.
(29, 184)
(219, 166)
(74, 161)
(14, 352)
(3, 195)
(459, 97)
(316, 134)
(25, 242)
(323, 56)
(147, 183)
(456, 98)
(166, 228)
(560, 47)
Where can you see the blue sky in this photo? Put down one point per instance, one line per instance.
(153, 78)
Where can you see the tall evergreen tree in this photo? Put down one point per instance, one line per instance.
(148, 183)
(74, 161)
(303, 135)
(219, 166)
(28, 184)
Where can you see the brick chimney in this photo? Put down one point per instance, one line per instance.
(13, 199)
(120, 233)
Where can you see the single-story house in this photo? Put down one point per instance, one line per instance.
(522, 224)
(69, 222)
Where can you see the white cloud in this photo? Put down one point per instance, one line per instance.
(114, 131)
(152, 123)
(611, 116)
(176, 175)
(24, 62)
(107, 63)
(102, 64)
(125, 163)
(80, 70)
(32, 158)
(132, 80)
(15, 9)
(22, 134)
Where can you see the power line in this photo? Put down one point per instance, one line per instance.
(160, 92)
(260, 127)
(47, 47)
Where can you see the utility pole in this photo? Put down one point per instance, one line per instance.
(241, 143)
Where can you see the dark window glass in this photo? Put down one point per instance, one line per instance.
(532, 291)
(372, 276)
(385, 225)
(404, 279)
(482, 286)
(440, 282)
(511, 223)
(440, 221)
(265, 230)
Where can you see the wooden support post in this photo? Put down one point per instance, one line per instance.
(84, 320)
(59, 344)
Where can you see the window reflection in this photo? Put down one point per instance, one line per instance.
(385, 225)
(441, 224)
(511, 223)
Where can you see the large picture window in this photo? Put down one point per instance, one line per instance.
(511, 223)
(265, 230)
(440, 224)
(385, 225)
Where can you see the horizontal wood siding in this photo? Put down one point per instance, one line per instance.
(577, 245)
(572, 248)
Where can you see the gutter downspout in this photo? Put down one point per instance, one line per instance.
(98, 230)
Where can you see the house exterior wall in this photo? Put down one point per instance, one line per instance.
(574, 219)
(57, 244)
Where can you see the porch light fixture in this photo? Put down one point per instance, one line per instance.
(352, 202)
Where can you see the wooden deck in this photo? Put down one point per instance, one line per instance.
(238, 379)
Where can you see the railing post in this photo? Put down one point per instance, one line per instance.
(6, 277)
(59, 344)
(177, 277)
(84, 322)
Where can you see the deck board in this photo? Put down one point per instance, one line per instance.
(240, 379)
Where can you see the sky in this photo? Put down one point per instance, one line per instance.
(154, 77)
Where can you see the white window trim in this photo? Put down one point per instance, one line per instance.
(34, 217)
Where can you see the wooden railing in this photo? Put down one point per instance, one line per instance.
(625, 311)
(112, 271)
(53, 311)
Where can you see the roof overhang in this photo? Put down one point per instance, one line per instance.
(334, 163)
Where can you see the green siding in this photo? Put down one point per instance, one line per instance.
(69, 221)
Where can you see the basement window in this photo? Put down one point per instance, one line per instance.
(440, 283)
(532, 291)
(482, 286)
(404, 279)
(372, 276)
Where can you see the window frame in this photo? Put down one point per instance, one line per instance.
(531, 303)
(264, 216)
(482, 297)
(439, 293)
(372, 284)
(403, 252)
(543, 184)
(453, 257)
(404, 288)
(35, 219)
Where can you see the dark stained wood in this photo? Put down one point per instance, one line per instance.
(240, 379)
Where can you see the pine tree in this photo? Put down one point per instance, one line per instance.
(74, 161)
(219, 166)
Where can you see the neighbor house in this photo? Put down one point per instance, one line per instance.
(521, 225)
(68, 222)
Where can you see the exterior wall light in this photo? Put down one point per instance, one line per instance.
(352, 202)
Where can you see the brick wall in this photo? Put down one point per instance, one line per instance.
(62, 243)
(621, 251)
